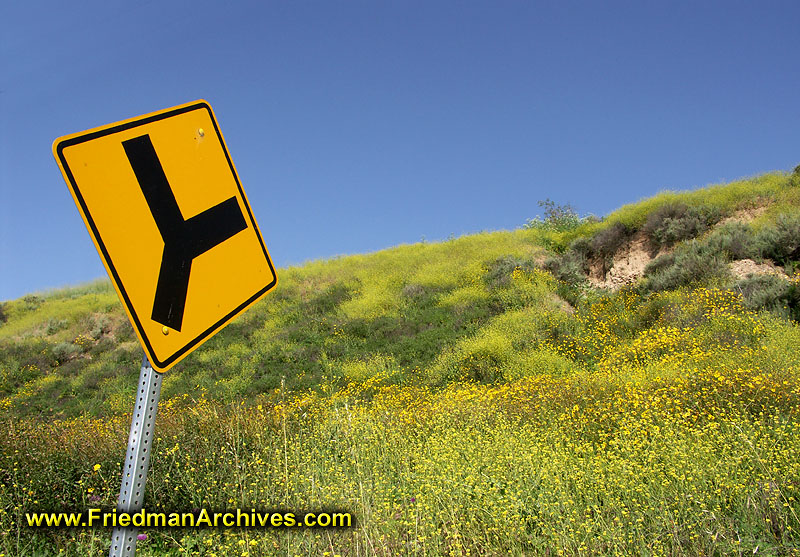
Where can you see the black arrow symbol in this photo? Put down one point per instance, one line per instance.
(183, 239)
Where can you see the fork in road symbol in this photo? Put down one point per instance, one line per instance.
(184, 239)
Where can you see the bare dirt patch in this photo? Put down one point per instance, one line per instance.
(742, 268)
(628, 264)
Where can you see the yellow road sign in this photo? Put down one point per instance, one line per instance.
(168, 215)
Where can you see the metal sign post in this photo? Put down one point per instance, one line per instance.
(137, 458)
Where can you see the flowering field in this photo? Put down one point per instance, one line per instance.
(682, 438)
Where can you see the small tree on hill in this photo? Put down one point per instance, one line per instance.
(556, 217)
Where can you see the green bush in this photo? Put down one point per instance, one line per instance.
(608, 240)
(581, 246)
(734, 240)
(104, 344)
(55, 325)
(330, 298)
(660, 264)
(794, 179)
(570, 267)
(780, 241)
(479, 358)
(556, 217)
(32, 301)
(413, 291)
(101, 326)
(125, 331)
(495, 352)
(526, 289)
(499, 271)
(653, 309)
(694, 265)
(65, 351)
(772, 293)
(675, 222)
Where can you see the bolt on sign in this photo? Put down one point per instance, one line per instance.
(168, 215)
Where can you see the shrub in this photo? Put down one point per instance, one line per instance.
(659, 264)
(734, 240)
(674, 222)
(499, 271)
(32, 301)
(570, 267)
(480, 358)
(525, 289)
(581, 246)
(649, 310)
(608, 240)
(101, 326)
(694, 265)
(55, 325)
(657, 217)
(772, 293)
(494, 352)
(104, 344)
(413, 291)
(794, 179)
(65, 351)
(125, 331)
(556, 217)
(3, 316)
(781, 241)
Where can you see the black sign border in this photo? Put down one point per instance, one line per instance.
(200, 105)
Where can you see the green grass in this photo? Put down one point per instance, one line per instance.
(407, 303)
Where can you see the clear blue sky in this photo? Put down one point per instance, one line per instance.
(357, 126)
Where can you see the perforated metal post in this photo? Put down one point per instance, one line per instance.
(137, 458)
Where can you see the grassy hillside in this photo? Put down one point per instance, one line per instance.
(479, 396)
